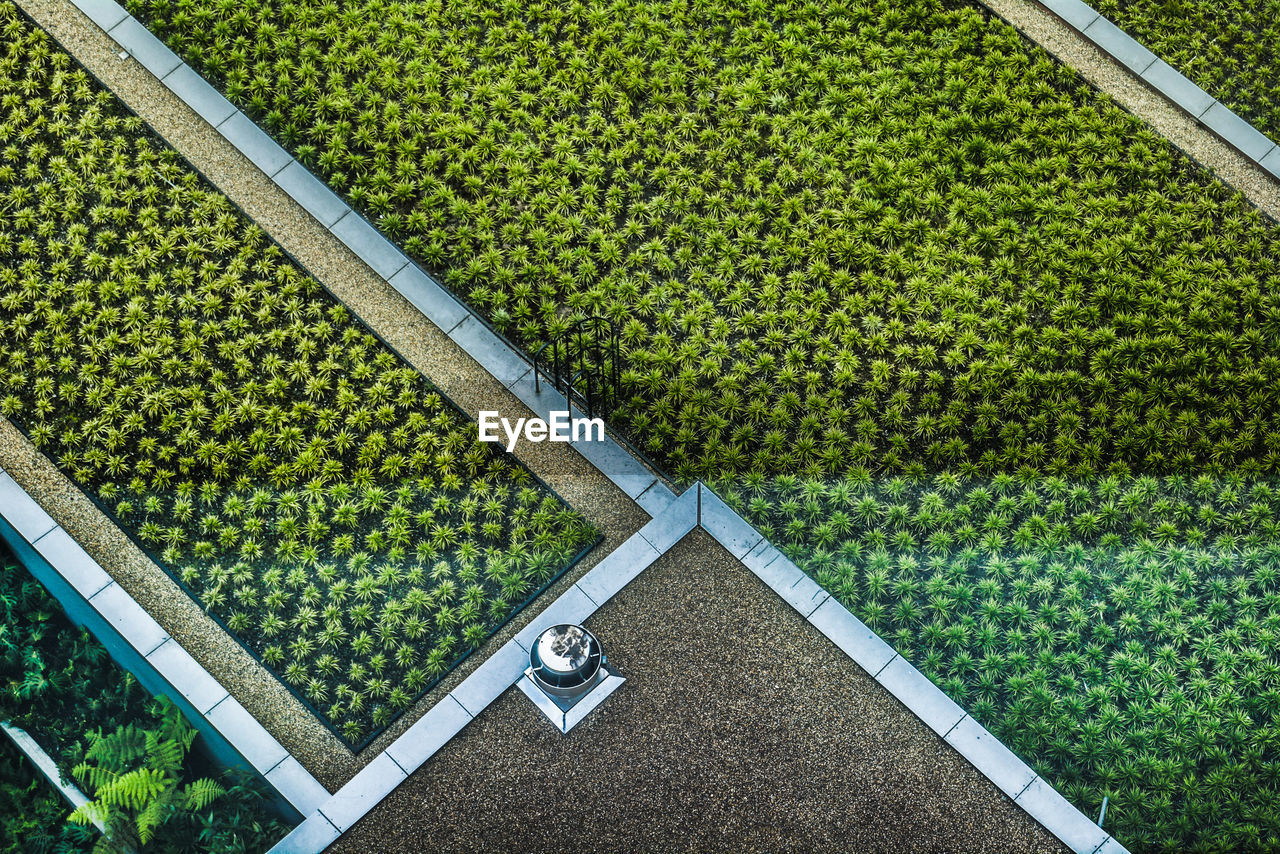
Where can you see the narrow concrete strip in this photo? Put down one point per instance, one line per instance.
(1111, 846)
(374, 782)
(760, 557)
(21, 510)
(369, 246)
(938, 711)
(656, 498)
(105, 13)
(628, 473)
(619, 568)
(1168, 81)
(1237, 131)
(152, 53)
(986, 753)
(310, 192)
(428, 297)
(72, 562)
(247, 735)
(45, 764)
(852, 636)
(186, 675)
(126, 616)
(490, 351)
(199, 95)
(668, 527)
(1120, 45)
(1043, 803)
(722, 522)
(805, 595)
(429, 733)
(1076, 13)
(315, 834)
(293, 781)
(487, 682)
(253, 143)
(1272, 163)
(572, 606)
(780, 573)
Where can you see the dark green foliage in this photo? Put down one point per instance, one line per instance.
(59, 684)
(1119, 634)
(142, 793)
(315, 492)
(33, 814)
(1231, 49)
(890, 235)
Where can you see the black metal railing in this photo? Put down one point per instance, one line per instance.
(584, 364)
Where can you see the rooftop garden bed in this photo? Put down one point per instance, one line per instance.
(60, 685)
(320, 497)
(870, 240)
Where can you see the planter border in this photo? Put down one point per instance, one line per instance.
(124, 627)
(1207, 110)
(700, 507)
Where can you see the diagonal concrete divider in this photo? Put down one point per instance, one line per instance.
(491, 350)
(140, 645)
(1169, 82)
(45, 764)
(700, 507)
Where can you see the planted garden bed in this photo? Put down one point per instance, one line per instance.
(99, 726)
(320, 497)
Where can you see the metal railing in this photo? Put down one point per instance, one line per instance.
(584, 364)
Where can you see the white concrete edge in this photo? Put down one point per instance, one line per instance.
(1157, 74)
(44, 762)
(502, 361)
(166, 655)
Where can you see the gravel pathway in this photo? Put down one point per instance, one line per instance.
(382, 308)
(740, 728)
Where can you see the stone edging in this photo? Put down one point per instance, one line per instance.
(700, 507)
(48, 768)
(1169, 82)
(507, 364)
(221, 712)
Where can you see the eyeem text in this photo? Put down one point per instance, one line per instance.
(561, 428)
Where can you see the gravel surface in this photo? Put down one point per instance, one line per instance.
(740, 727)
(418, 340)
(1128, 90)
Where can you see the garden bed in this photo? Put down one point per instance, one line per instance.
(33, 814)
(323, 500)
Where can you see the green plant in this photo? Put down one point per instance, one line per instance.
(134, 779)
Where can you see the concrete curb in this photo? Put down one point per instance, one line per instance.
(44, 762)
(700, 507)
(99, 596)
(1208, 111)
(507, 364)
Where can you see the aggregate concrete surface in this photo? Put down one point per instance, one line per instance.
(740, 728)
